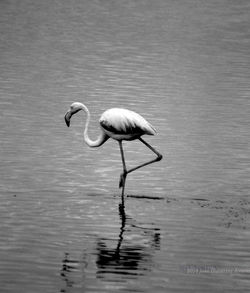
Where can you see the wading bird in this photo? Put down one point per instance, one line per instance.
(119, 124)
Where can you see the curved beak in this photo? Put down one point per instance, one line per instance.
(67, 118)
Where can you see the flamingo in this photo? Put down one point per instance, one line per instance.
(119, 124)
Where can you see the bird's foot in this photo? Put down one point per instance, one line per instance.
(122, 180)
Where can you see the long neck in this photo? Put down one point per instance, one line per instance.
(92, 143)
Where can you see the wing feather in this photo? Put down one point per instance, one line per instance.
(123, 121)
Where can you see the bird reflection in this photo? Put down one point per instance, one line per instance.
(127, 257)
(68, 267)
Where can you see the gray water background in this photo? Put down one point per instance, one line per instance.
(184, 66)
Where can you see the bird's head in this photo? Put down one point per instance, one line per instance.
(74, 108)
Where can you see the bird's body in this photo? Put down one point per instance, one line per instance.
(123, 124)
(119, 124)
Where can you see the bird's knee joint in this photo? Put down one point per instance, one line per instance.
(122, 179)
(159, 157)
(124, 174)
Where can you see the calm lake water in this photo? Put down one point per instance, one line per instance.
(184, 66)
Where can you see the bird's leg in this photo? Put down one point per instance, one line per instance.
(124, 174)
(158, 158)
(122, 179)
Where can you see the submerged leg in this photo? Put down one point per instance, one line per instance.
(158, 158)
(124, 174)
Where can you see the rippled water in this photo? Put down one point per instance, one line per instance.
(184, 66)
